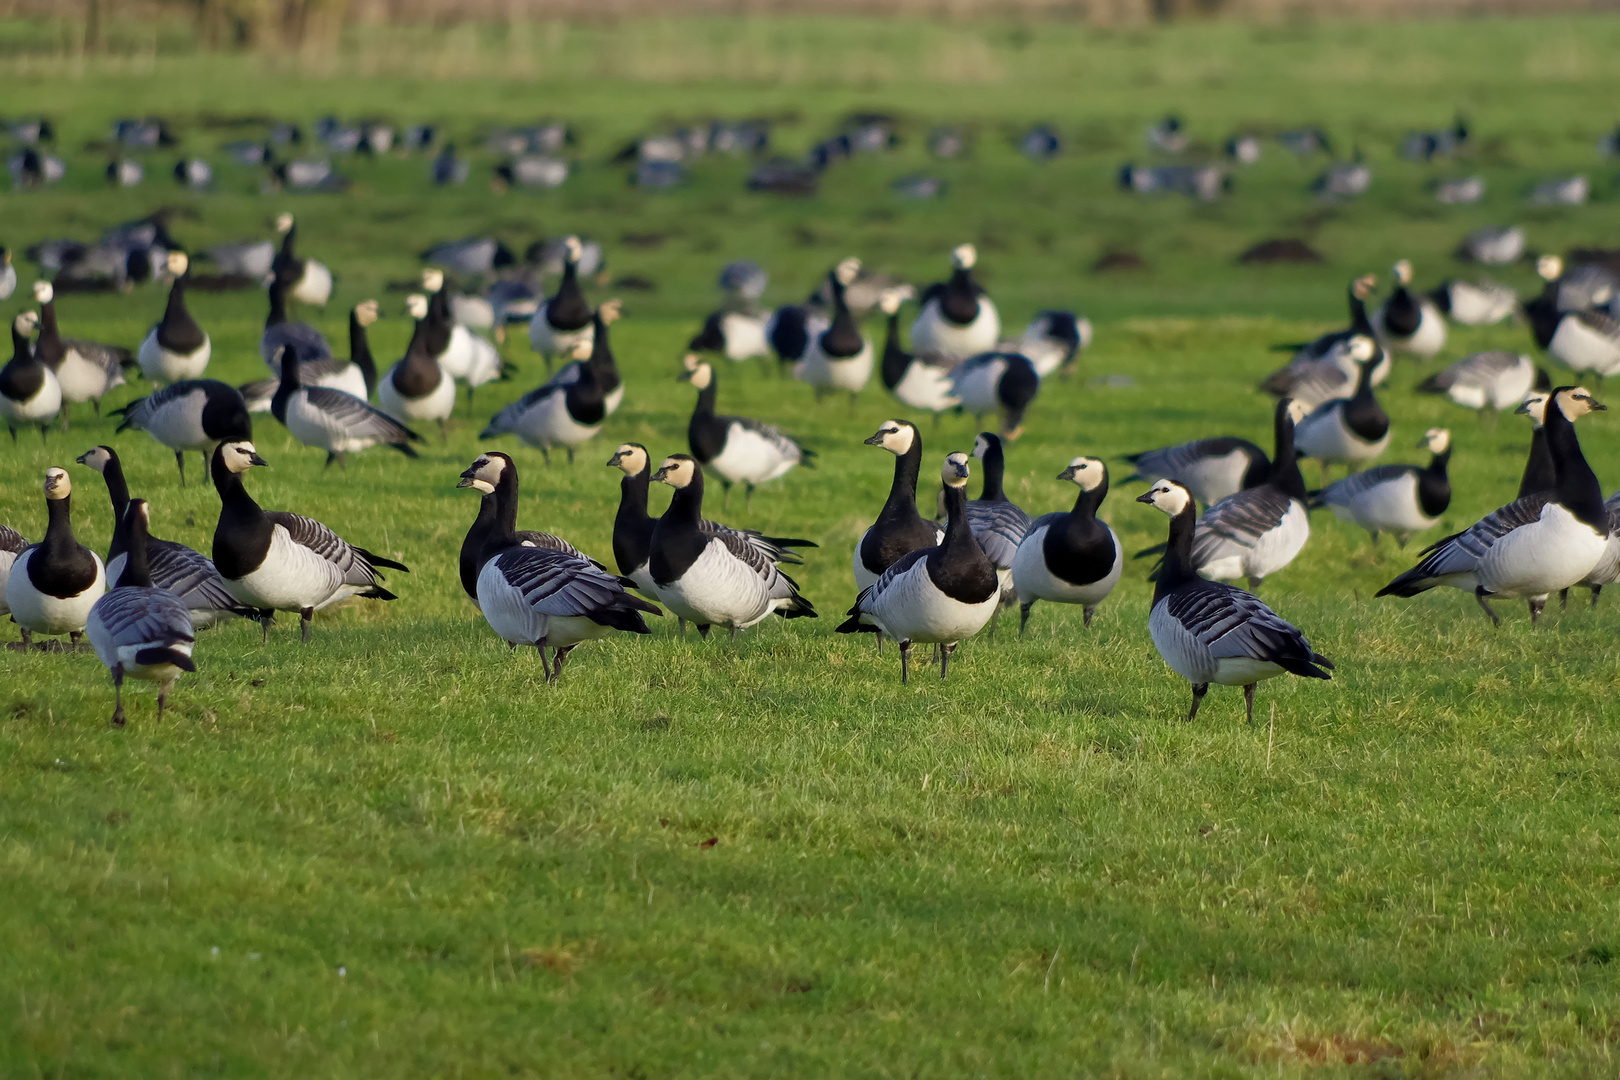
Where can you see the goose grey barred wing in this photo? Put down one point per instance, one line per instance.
(351, 416)
(778, 585)
(311, 346)
(1169, 461)
(896, 568)
(776, 548)
(1311, 382)
(13, 541)
(191, 576)
(138, 413)
(999, 527)
(1233, 624)
(1461, 552)
(111, 357)
(139, 616)
(1598, 321)
(561, 585)
(357, 565)
(567, 375)
(1238, 520)
(550, 542)
(1342, 491)
(1480, 369)
(773, 435)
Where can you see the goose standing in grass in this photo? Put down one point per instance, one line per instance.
(917, 381)
(997, 523)
(840, 357)
(176, 347)
(1607, 570)
(332, 420)
(563, 322)
(1054, 340)
(282, 561)
(600, 358)
(1211, 469)
(740, 329)
(1474, 303)
(139, 630)
(899, 528)
(571, 407)
(51, 586)
(462, 354)
(30, 396)
(484, 525)
(1488, 380)
(1324, 367)
(543, 596)
(416, 389)
(957, 318)
(713, 579)
(937, 595)
(1349, 430)
(1209, 632)
(1398, 499)
(1581, 340)
(1409, 322)
(85, 370)
(307, 281)
(281, 330)
(1539, 544)
(1070, 558)
(1001, 382)
(356, 376)
(738, 449)
(193, 414)
(187, 573)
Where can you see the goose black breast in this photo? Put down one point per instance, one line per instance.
(1019, 383)
(881, 548)
(967, 580)
(20, 382)
(1365, 417)
(417, 380)
(1078, 550)
(959, 300)
(569, 310)
(712, 338)
(225, 415)
(843, 339)
(790, 335)
(707, 436)
(179, 332)
(1403, 314)
(584, 401)
(61, 570)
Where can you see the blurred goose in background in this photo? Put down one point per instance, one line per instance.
(1000, 382)
(1561, 191)
(997, 523)
(1581, 340)
(737, 449)
(1474, 303)
(250, 259)
(471, 257)
(192, 414)
(1069, 557)
(1325, 368)
(30, 396)
(1408, 322)
(1488, 380)
(307, 281)
(1053, 341)
(281, 329)
(1349, 430)
(1398, 499)
(52, 586)
(564, 320)
(1579, 287)
(448, 169)
(1345, 180)
(1493, 245)
(86, 370)
(194, 173)
(176, 347)
(791, 328)
(740, 329)
(1211, 469)
(957, 318)
(335, 421)
(462, 354)
(572, 406)
(356, 376)
(840, 357)
(1460, 191)
(32, 167)
(918, 381)
(125, 173)
(416, 388)
(8, 274)
(899, 528)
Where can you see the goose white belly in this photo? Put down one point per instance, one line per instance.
(1034, 581)
(1325, 436)
(1211, 479)
(912, 608)
(932, 332)
(8, 559)
(46, 614)
(517, 621)
(349, 379)
(749, 458)
(1607, 569)
(313, 427)
(642, 576)
(166, 365)
(864, 578)
(613, 399)
(547, 340)
(178, 424)
(1430, 336)
(745, 335)
(1191, 659)
(486, 365)
(437, 405)
(290, 578)
(314, 284)
(1472, 306)
(1581, 348)
(825, 372)
(718, 589)
(1045, 355)
(546, 423)
(977, 387)
(1391, 506)
(1553, 553)
(926, 387)
(46, 403)
(457, 358)
(1271, 552)
(85, 380)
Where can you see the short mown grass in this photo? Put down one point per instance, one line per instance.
(396, 852)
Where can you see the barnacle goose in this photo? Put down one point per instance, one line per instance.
(462, 354)
(51, 586)
(1538, 465)
(86, 370)
(1349, 430)
(571, 407)
(739, 335)
(140, 631)
(333, 420)
(1209, 632)
(416, 388)
(1000, 382)
(543, 596)
(483, 526)
(1399, 499)
(997, 523)
(8, 274)
(12, 544)
(1409, 322)
(1607, 570)
(1069, 558)
(708, 578)
(899, 528)
(307, 281)
(564, 320)
(601, 358)
(1211, 469)
(957, 318)
(1542, 542)
(176, 347)
(279, 560)
(188, 574)
(791, 328)
(281, 330)
(192, 414)
(357, 375)
(30, 396)
(739, 450)
(1488, 380)
(1583, 340)
(840, 357)
(1325, 368)
(919, 381)
(935, 595)
(1054, 340)
(1474, 303)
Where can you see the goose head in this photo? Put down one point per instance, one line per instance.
(1550, 268)
(1534, 406)
(573, 248)
(284, 222)
(677, 470)
(366, 312)
(611, 310)
(97, 458)
(1403, 272)
(581, 351)
(699, 374)
(1166, 496)
(57, 484)
(178, 263)
(239, 455)
(44, 292)
(847, 271)
(1364, 285)
(486, 472)
(26, 323)
(1363, 348)
(1437, 440)
(963, 256)
(1297, 411)
(1576, 401)
(630, 458)
(432, 279)
(895, 436)
(1086, 473)
(891, 299)
(955, 471)
(416, 306)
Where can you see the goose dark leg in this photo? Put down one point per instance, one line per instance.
(1480, 594)
(163, 698)
(945, 659)
(180, 463)
(444, 434)
(118, 695)
(853, 401)
(1087, 613)
(1199, 690)
(28, 638)
(725, 503)
(879, 636)
(330, 457)
(545, 664)
(1595, 590)
(558, 659)
(95, 403)
(203, 454)
(748, 498)
(1537, 606)
(1563, 599)
(733, 633)
(264, 624)
(703, 631)
(13, 434)
(304, 617)
(74, 638)
(1023, 618)
(681, 623)
(1248, 702)
(545, 454)
(570, 450)
(905, 662)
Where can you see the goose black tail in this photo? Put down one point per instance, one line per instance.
(853, 625)
(1432, 385)
(1309, 667)
(406, 448)
(165, 655)
(377, 592)
(622, 618)
(377, 560)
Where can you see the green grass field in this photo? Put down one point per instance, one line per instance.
(396, 852)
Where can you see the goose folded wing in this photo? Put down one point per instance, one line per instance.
(13, 541)
(1233, 624)
(1481, 369)
(770, 435)
(999, 527)
(565, 377)
(1598, 321)
(561, 585)
(550, 542)
(896, 568)
(989, 366)
(346, 414)
(111, 357)
(190, 575)
(310, 345)
(139, 616)
(1238, 520)
(140, 411)
(1461, 552)
(355, 564)
(1364, 481)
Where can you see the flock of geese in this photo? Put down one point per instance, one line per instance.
(921, 580)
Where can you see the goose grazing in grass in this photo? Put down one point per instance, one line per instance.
(1072, 557)
(332, 420)
(307, 281)
(738, 335)
(1398, 499)
(1488, 380)
(738, 449)
(1540, 543)
(899, 528)
(416, 389)
(572, 406)
(280, 561)
(543, 596)
(484, 525)
(957, 318)
(1209, 632)
(192, 414)
(840, 357)
(139, 630)
(176, 347)
(1409, 322)
(188, 574)
(918, 381)
(52, 586)
(600, 359)
(563, 322)
(30, 396)
(85, 370)
(713, 579)
(936, 595)
(1211, 469)
(997, 523)
(1349, 430)
(1054, 340)
(1582, 340)
(1474, 303)
(1001, 382)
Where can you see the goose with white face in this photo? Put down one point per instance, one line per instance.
(839, 358)
(1408, 322)
(1072, 557)
(52, 586)
(30, 395)
(737, 449)
(85, 370)
(957, 319)
(176, 347)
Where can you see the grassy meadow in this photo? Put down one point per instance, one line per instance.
(396, 852)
